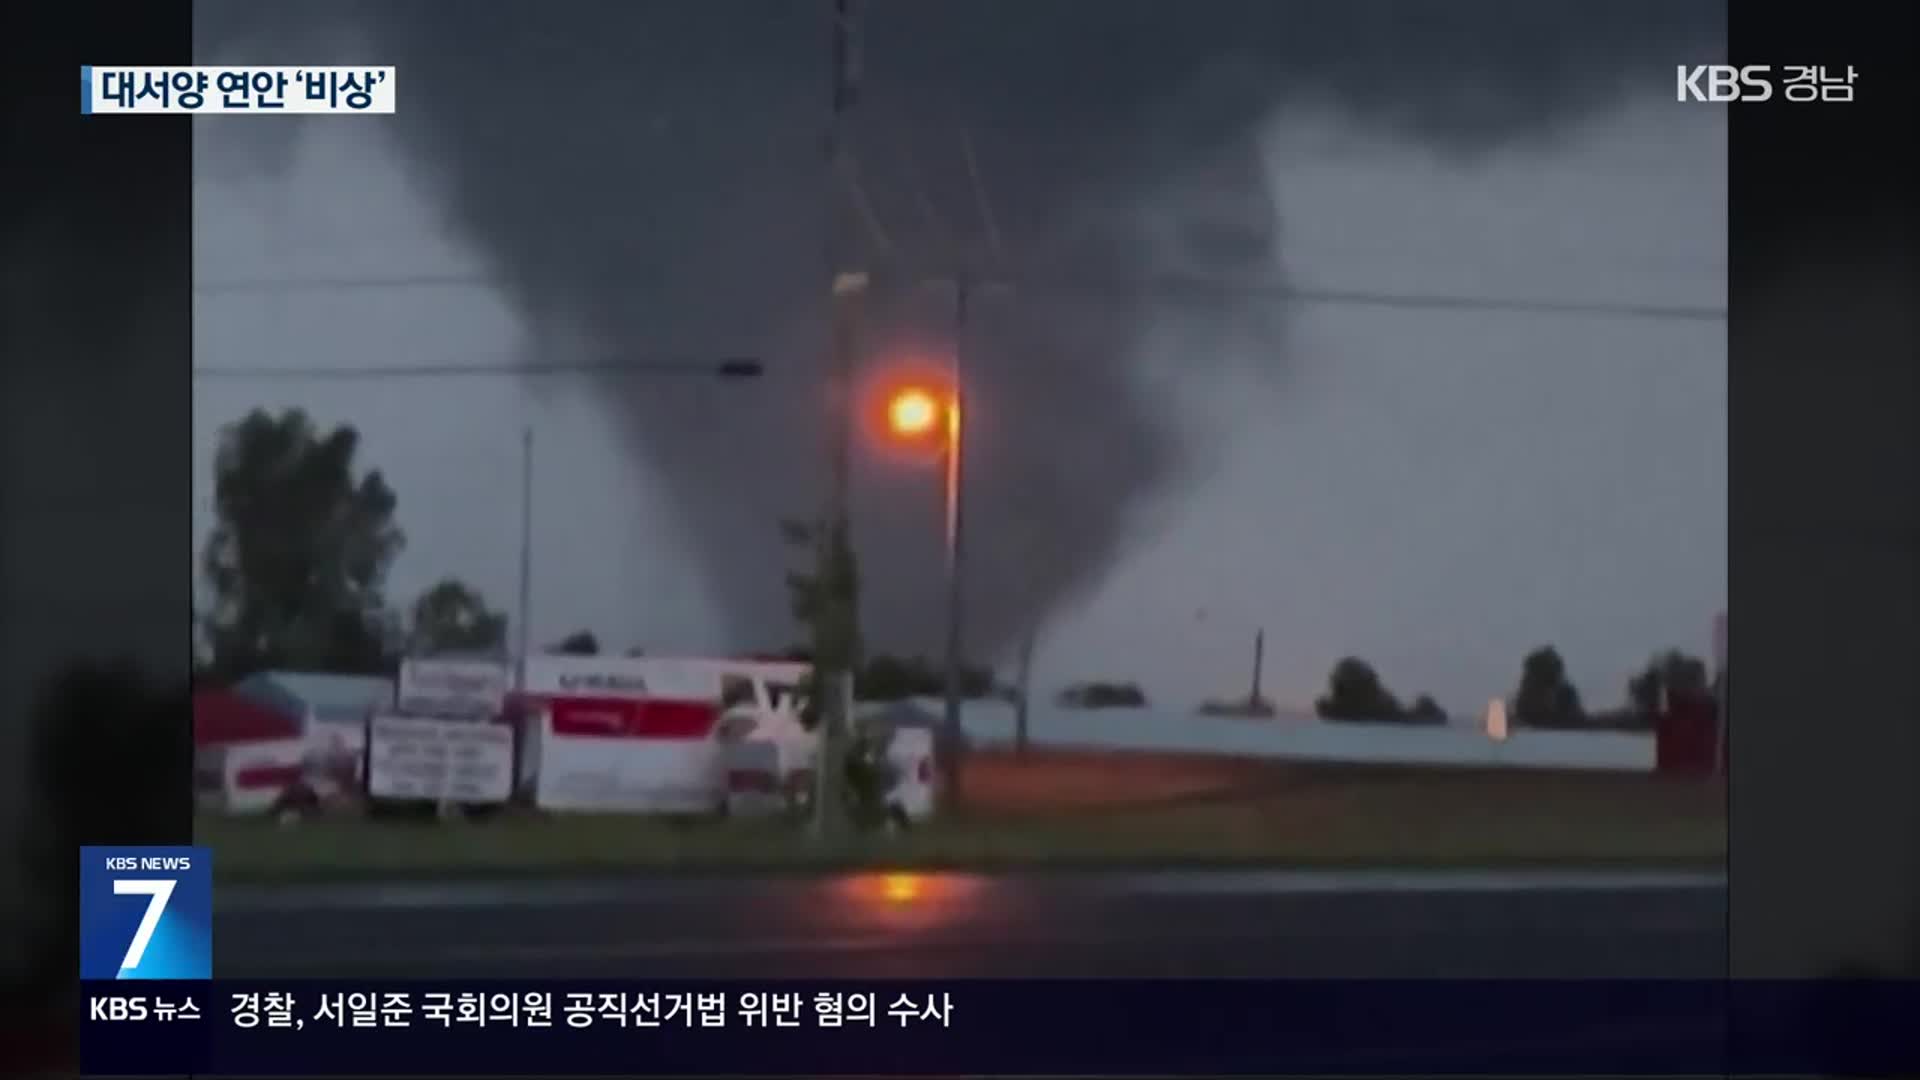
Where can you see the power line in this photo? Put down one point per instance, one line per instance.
(733, 368)
(1205, 289)
(1162, 285)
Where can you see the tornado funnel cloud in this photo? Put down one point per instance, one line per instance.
(650, 175)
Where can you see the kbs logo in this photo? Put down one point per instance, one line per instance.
(1722, 83)
(117, 1008)
(146, 913)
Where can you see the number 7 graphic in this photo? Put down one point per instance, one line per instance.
(160, 891)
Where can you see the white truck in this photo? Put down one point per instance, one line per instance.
(772, 756)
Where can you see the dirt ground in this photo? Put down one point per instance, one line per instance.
(1046, 782)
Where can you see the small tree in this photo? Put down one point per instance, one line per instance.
(1355, 692)
(1545, 696)
(1427, 711)
(578, 643)
(453, 617)
(1668, 673)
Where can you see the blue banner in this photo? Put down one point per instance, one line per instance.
(1038, 1026)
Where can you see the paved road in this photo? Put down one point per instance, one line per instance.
(1183, 925)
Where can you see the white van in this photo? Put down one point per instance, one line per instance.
(771, 756)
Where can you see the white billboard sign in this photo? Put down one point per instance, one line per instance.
(452, 687)
(434, 758)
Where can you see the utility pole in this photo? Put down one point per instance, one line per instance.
(837, 635)
(956, 411)
(1259, 661)
(1023, 682)
(525, 619)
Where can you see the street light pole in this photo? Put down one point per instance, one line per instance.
(525, 618)
(835, 639)
(1259, 662)
(956, 413)
(1024, 684)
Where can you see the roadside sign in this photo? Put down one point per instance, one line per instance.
(438, 759)
(452, 687)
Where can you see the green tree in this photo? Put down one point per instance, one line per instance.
(1427, 711)
(1355, 692)
(452, 617)
(298, 558)
(578, 643)
(824, 599)
(1545, 696)
(1669, 672)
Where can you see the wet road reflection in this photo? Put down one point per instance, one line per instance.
(912, 924)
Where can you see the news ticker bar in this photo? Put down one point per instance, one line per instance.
(164, 91)
(1030, 1027)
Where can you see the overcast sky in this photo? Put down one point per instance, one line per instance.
(1436, 490)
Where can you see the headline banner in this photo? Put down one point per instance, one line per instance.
(1031, 1027)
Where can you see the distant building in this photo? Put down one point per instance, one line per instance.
(318, 698)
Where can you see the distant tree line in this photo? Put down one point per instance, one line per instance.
(1102, 695)
(1545, 696)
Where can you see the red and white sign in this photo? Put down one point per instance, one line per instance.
(616, 719)
(248, 778)
(633, 756)
(627, 735)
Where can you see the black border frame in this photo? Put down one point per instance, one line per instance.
(96, 345)
(1824, 374)
(1824, 854)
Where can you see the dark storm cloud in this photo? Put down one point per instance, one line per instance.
(649, 172)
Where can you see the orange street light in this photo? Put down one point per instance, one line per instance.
(913, 413)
